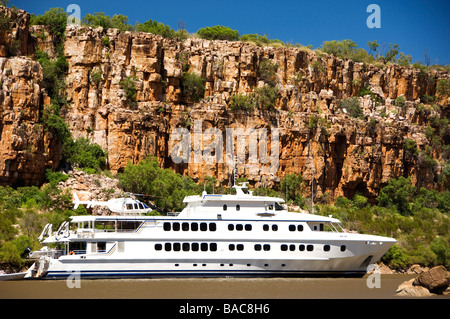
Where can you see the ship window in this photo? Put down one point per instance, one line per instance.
(203, 227)
(186, 246)
(230, 227)
(326, 248)
(321, 226)
(284, 247)
(101, 247)
(176, 226)
(129, 206)
(301, 247)
(224, 207)
(194, 226)
(238, 207)
(300, 227)
(176, 246)
(194, 246)
(274, 227)
(240, 247)
(266, 247)
(278, 207)
(212, 226)
(213, 247)
(309, 247)
(258, 247)
(204, 247)
(185, 226)
(239, 227)
(291, 227)
(158, 247)
(231, 247)
(140, 206)
(168, 246)
(136, 206)
(291, 247)
(248, 227)
(166, 226)
(270, 206)
(343, 248)
(265, 227)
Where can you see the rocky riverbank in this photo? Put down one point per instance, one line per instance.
(427, 283)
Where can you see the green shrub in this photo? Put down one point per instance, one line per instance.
(156, 27)
(312, 124)
(218, 32)
(351, 106)
(410, 147)
(242, 102)
(266, 97)
(56, 19)
(130, 89)
(267, 72)
(193, 87)
(105, 41)
(292, 187)
(400, 101)
(87, 156)
(398, 193)
(99, 19)
(443, 88)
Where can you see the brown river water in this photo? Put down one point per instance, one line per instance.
(205, 288)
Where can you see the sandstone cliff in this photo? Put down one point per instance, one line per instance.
(342, 154)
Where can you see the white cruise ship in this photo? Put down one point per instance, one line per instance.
(214, 236)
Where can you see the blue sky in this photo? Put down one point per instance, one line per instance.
(417, 26)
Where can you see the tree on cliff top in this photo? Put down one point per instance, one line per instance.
(218, 32)
(99, 19)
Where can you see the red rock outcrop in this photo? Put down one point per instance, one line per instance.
(342, 154)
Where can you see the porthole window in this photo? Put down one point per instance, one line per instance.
(194, 226)
(186, 246)
(266, 227)
(230, 227)
(257, 247)
(231, 247)
(168, 246)
(185, 226)
(240, 247)
(326, 248)
(158, 247)
(248, 227)
(166, 226)
(204, 247)
(239, 227)
(176, 226)
(284, 247)
(291, 247)
(224, 207)
(343, 248)
(212, 227)
(194, 246)
(274, 227)
(292, 227)
(203, 226)
(300, 227)
(238, 207)
(176, 247)
(266, 247)
(301, 247)
(310, 248)
(213, 247)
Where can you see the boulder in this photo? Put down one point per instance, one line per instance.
(436, 280)
(407, 289)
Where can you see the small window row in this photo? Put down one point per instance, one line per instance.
(240, 227)
(274, 227)
(265, 247)
(238, 247)
(187, 246)
(292, 247)
(296, 227)
(238, 207)
(167, 226)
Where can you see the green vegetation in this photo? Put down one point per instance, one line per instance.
(192, 87)
(218, 32)
(351, 106)
(156, 27)
(167, 188)
(266, 97)
(242, 102)
(99, 19)
(267, 72)
(443, 88)
(129, 87)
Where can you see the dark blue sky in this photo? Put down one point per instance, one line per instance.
(415, 25)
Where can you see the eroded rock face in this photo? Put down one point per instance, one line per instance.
(26, 147)
(343, 155)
